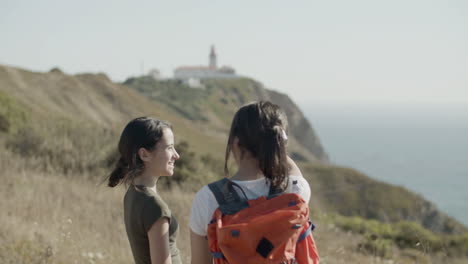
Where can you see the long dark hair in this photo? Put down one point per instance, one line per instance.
(261, 130)
(141, 132)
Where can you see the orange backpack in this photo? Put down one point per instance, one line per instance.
(274, 229)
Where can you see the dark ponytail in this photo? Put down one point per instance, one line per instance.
(119, 172)
(273, 158)
(261, 130)
(142, 132)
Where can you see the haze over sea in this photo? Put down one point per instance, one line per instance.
(421, 147)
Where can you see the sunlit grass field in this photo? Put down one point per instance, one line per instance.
(54, 218)
(58, 137)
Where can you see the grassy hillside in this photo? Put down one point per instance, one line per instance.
(58, 135)
(92, 99)
(214, 106)
(351, 193)
(12, 113)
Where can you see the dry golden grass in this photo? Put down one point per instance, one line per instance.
(52, 218)
(52, 214)
(62, 219)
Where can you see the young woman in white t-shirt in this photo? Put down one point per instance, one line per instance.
(257, 140)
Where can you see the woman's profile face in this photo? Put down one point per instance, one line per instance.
(163, 157)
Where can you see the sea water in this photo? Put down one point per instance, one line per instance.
(421, 147)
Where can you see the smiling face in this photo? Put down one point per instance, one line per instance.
(161, 161)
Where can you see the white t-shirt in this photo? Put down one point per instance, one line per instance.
(204, 204)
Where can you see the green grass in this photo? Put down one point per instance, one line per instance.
(63, 145)
(179, 97)
(214, 106)
(380, 238)
(12, 114)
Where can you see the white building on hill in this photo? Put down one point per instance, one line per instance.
(205, 72)
(155, 74)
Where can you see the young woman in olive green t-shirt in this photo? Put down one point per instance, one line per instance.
(147, 152)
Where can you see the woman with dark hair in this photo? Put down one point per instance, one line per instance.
(257, 141)
(147, 152)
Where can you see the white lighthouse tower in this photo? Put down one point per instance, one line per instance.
(212, 58)
(210, 71)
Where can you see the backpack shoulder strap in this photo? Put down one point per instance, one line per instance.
(229, 201)
(224, 192)
(276, 191)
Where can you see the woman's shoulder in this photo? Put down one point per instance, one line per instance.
(298, 184)
(204, 194)
(154, 208)
(157, 200)
(298, 179)
(151, 200)
(205, 199)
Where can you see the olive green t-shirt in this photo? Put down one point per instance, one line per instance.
(142, 208)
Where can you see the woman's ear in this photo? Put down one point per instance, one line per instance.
(235, 147)
(237, 151)
(235, 142)
(144, 154)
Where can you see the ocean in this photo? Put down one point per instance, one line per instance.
(421, 147)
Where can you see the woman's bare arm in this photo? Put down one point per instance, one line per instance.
(158, 237)
(293, 168)
(199, 248)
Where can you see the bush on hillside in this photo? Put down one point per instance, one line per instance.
(377, 247)
(65, 146)
(348, 192)
(4, 124)
(181, 98)
(379, 238)
(12, 114)
(413, 235)
(71, 147)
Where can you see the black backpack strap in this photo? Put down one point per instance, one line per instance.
(228, 199)
(221, 191)
(274, 191)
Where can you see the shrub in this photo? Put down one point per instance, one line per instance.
(12, 113)
(65, 146)
(377, 247)
(413, 235)
(380, 237)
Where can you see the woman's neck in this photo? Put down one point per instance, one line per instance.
(248, 170)
(146, 180)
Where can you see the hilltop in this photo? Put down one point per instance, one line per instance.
(214, 105)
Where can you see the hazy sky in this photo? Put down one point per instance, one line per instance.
(316, 51)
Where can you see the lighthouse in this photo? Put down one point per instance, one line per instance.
(212, 58)
(210, 71)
